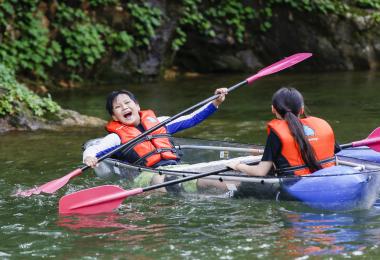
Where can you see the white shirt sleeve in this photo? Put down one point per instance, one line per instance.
(106, 142)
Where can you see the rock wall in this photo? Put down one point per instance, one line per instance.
(338, 43)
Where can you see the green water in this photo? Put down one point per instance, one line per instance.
(192, 227)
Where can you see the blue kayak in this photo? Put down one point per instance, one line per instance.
(361, 153)
(351, 185)
(341, 188)
(336, 188)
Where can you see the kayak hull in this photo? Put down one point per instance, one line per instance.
(352, 185)
(337, 188)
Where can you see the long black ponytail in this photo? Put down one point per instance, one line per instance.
(288, 102)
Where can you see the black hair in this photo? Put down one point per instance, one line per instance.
(288, 102)
(111, 97)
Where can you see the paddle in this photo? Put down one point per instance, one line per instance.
(54, 185)
(254, 151)
(106, 198)
(372, 141)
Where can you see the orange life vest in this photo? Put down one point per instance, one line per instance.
(152, 148)
(320, 136)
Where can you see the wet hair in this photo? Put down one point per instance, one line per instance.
(111, 97)
(288, 102)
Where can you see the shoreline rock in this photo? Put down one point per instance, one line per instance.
(67, 118)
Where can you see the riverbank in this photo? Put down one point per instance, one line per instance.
(67, 118)
(22, 109)
(63, 44)
(135, 41)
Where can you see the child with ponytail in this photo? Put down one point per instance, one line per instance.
(296, 144)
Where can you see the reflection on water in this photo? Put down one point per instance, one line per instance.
(318, 234)
(113, 225)
(96, 224)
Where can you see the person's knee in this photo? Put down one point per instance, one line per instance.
(174, 188)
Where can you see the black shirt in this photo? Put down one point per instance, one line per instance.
(272, 151)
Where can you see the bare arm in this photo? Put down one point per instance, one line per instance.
(253, 170)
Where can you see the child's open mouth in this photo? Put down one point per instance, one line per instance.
(128, 115)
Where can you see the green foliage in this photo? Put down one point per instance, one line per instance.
(234, 15)
(28, 47)
(145, 20)
(97, 3)
(73, 39)
(74, 36)
(323, 6)
(375, 4)
(343, 8)
(180, 40)
(13, 95)
(192, 16)
(6, 11)
(206, 17)
(121, 41)
(84, 41)
(83, 45)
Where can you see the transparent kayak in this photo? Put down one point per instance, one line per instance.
(351, 185)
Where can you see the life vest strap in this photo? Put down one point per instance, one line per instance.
(156, 151)
(145, 138)
(301, 167)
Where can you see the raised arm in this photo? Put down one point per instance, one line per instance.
(196, 117)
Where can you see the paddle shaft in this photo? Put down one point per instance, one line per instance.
(278, 66)
(198, 176)
(127, 193)
(150, 130)
(345, 146)
(188, 178)
(220, 148)
(365, 142)
(54, 185)
(154, 128)
(108, 197)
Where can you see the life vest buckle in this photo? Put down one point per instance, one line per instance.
(148, 137)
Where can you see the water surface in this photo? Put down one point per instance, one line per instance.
(191, 227)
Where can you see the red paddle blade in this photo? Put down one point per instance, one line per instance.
(95, 200)
(51, 186)
(375, 133)
(280, 65)
(372, 141)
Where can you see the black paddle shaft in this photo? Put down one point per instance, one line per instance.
(189, 178)
(344, 146)
(188, 110)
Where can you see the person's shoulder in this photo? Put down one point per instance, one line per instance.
(318, 120)
(272, 136)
